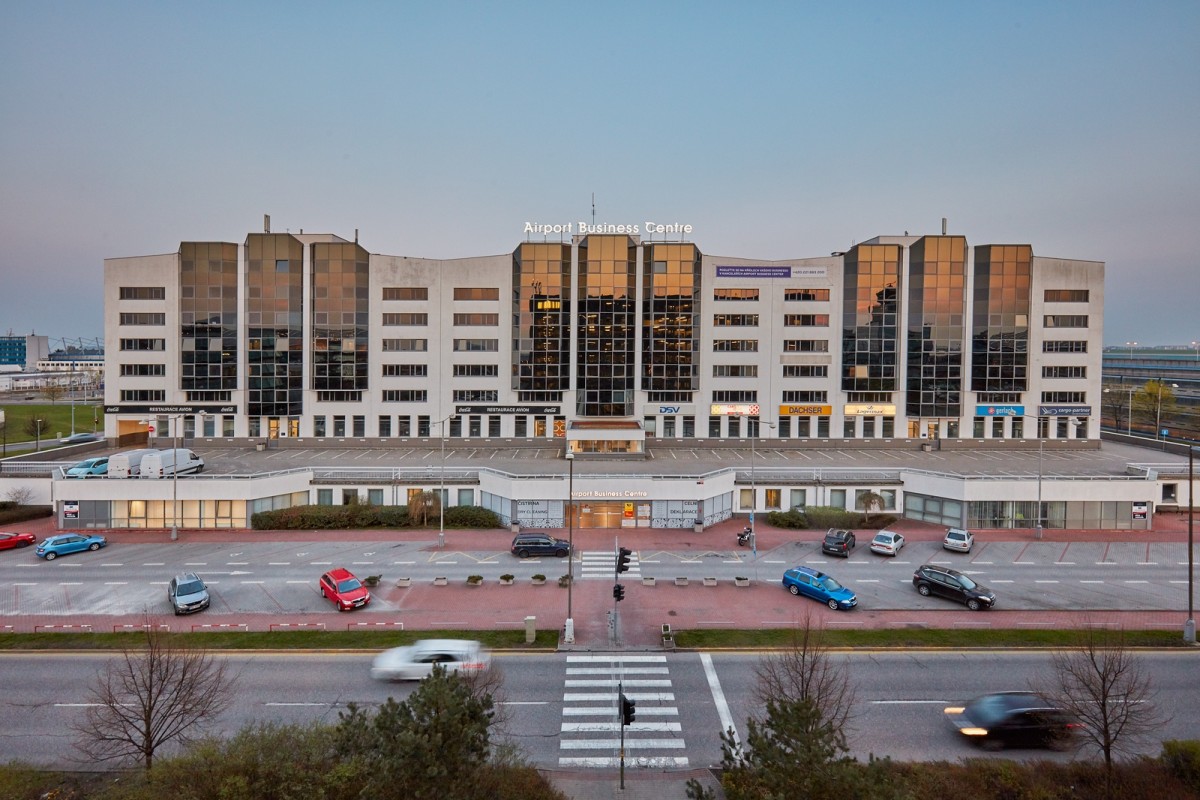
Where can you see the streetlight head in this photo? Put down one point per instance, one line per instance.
(570, 456)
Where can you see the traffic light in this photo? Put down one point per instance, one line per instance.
(623, 554)
(628, 710)
(618, 592)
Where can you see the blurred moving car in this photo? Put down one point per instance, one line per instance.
(945, 582)
(11, 541)
(346, 591)
(89, 466)
(536, 543)
(819, 586)
(1014, 719)
(887, 543)
(838, 542)
(187, 594)
(65, 543)
(959, 540)
(414, 662)
(80, 438)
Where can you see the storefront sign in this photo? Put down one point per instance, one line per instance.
(541, 410)
(1065, 411)
(70, 509)
(734, 409)
(869, 409)
(183, 409)
(589, 229)
(1140, 510)
(771, 271)
(999, 411)
(678, 408)
(805, 411)
(617, 493)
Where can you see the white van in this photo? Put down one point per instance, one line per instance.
(128, 464)
(165, 463)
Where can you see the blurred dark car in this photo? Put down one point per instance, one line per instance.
(1014, 719)
(80, 438)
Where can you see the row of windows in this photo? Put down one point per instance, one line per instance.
(476, 370)
(805, 371)
(143, 293)
(405, 370)
(735, 320)
(405, 395)
(143, 395)
(143, 370)
(1065, 321)
(143, 344)
(735, 370)
(413, 318)
(490, 320)
(1066, 295)
(476, 396)
(143, 318)
(1065, 346)
(1064, 372)
(806, 320)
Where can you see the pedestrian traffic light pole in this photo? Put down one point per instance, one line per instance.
(628, 711)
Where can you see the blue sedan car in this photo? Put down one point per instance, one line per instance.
(819, 586)
(54, 546)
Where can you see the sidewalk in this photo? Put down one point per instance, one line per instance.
(646, 608)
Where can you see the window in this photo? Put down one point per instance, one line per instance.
(806, 294)
(476, 370)
(476, 396)
(143, 293)
(735, 396)
(805, 371)
(405, 345)
(476, 345)
(735, 320)
(412, 318)
(143, 395)
(143, 344)
(319, 426)
(405, 370)
(805, 397)
(1065, 321)
(339, 396)
(476, 293)
(324, 497)
(1066, 295)
(1064, 372)
(806, 320)
(735, 294)
(486, 320)
(375, 497)
(143, 370)
(1064, 397)
(1064, 346)
(405, 293)
(405, 395)
(735, 370)
(735, 346)
(385, 425)
(805, 346)
(143, 318)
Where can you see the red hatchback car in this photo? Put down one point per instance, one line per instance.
(346, 591)
(9, 541)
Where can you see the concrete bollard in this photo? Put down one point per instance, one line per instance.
(530, 629)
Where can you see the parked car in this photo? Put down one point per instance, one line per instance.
(819, 586)
(536, 543)
(887, 543)
(88, 467)
(1014, 719)
(346, 591)
(838, 542)
(958, 539)
(11, 541)
(416, 661)
(931, 579)
(64, 543)
(187, 594)
(80, 438)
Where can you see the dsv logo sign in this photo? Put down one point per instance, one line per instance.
(669, 409)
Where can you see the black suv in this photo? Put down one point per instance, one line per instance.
(533, 543)
(838, 542)
(945, 582)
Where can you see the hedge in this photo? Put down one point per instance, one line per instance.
(357, 516)
(11, 512)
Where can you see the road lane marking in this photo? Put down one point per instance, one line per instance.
(718, 695)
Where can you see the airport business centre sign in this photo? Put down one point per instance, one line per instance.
(587, 229)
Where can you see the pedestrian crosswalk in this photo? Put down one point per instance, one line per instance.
(591, 725)
(601, 563)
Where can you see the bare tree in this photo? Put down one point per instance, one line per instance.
(53, 392)
(806, 671)
(160, 693)
(1104, 685)
(20, 495)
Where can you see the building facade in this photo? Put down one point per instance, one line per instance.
(901, 337)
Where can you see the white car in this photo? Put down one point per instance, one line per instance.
(887, 543)
(414, 662)
(958, 539)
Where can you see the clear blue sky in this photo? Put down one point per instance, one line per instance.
(777, 129)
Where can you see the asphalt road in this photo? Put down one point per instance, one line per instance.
(561, 708)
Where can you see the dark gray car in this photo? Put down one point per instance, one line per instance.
(187, 594)
(533, 543)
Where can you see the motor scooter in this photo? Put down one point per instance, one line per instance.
(744, 537)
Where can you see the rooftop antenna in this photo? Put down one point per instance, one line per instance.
(943, 226)
(593, 209)
(266, 223)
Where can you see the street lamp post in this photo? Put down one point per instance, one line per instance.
(37, 433)
(569, 630)
(442, 488)
(1189, 627)
(176, 422)
(753, 486)
(1129, 415)
(1037, 531)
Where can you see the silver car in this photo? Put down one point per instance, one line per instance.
(887, 543)
(959, 540)
(416, 661)
(187, 594)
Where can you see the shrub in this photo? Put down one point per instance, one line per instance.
(1182, 759)
(821, 517)
(792, 518)
(331, 517)
(471, 517)
(17, 513)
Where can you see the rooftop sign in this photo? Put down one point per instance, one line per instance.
(587, 228)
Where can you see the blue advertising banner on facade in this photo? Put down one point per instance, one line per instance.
(999, 411)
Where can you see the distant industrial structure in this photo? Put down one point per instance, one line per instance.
(32, 362)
